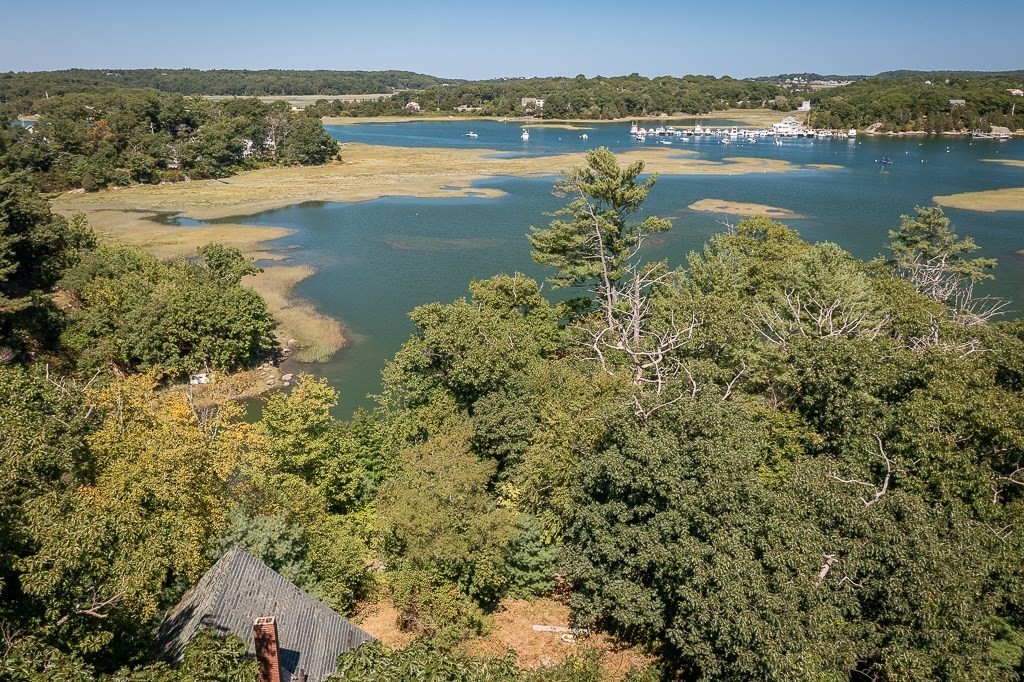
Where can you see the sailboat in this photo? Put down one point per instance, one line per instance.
(526, 135)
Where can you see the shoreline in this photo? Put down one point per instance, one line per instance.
(131, 215)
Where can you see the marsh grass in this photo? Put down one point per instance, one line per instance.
(989, 201)
(738, 208)
(318, 336)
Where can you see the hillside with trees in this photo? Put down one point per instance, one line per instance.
(777, 462)
(930, 102)
(32, 86)
(91, 141)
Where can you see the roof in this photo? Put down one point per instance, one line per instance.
(240, 588)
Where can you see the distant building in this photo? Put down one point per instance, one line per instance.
(287, 630)
(201, 378)
(532, 102)
(957, 102)
(466, 107)
(412, 106)
(1016, 92)
(805, 105)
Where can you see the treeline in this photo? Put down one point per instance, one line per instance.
(92, 141)
(31, 86)
(777, 462)
(579, 97)
(922, 102)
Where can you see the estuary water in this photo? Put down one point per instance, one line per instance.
(377, 260)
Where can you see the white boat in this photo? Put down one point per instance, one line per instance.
(778, 141)
(471, 134)
(725, 140)
(584, 136)
(526, 135)
(852, 132)
(664, 141)
(633, 129)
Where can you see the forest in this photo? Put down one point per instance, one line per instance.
(31, 86)
(776, 462)
(94, 140)
(922, 102)
(572, 98)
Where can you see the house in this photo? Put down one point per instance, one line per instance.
(805, 105)
(466, 107)
(957, 102)
(412, 106)
(283, 626)
(201, 378)
(1016, 92)
(532, 102)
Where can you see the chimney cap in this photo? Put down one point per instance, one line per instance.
(264, 620)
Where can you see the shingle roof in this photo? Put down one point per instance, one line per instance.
(240, 588)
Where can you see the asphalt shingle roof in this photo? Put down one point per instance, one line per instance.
(240, 588)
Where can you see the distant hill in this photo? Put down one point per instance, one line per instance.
(942, 75)
(215, 82)
(807, 77)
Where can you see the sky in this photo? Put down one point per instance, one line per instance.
(475, 40)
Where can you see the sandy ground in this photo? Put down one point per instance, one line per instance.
(513, 631)
(742, 209)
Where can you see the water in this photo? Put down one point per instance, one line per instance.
(379, 259)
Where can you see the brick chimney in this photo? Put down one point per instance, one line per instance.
(264, 636)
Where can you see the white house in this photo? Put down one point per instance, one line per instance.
(1016, 92)
(805, 105)
(412, 106)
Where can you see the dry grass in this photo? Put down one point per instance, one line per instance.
(303, 101)
(989, 201)
(138, 228)
(380, 619)
(318, 337)
(742, 209)
(513, 630)
(370, 172)
(1016, 163)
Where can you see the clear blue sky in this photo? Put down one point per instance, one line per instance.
(490, 39)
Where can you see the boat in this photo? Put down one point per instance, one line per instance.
(778, 141)
(633, 129)
(725, 140)
(852, 132)
(584, 136)
(887, 160)
(526, 135)
(471, 134)
(664, 141)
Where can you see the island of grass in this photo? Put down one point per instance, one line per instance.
(989, 201)
(738, 208)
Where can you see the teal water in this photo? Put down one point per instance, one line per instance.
(377, 260)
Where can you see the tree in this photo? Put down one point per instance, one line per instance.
(929, 254)
(36, 247)
(597, 243)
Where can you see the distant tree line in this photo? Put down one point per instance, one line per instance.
(30, 86)
(922, 102)
(573, 98)
(94, 140)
